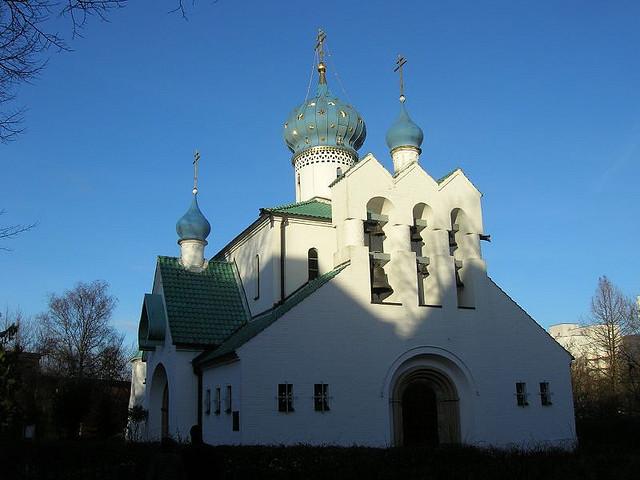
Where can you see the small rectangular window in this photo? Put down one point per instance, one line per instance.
(256, 275)
(545, 394)
(321, 397)
(236, 421)
(207, 401)
(216, 402)
(285, 397)
(521, 394)
(227, 400)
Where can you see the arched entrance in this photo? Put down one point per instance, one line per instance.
(165, 411)
(158, 422)
(425, 408)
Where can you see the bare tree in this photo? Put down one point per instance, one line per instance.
(76, 337)
(602, 377)
(24, 336)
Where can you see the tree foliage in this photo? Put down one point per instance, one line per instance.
(10, 408)
(76, 337)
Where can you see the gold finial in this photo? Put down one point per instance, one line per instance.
(401, 61)
(196, 157)
(318, 48)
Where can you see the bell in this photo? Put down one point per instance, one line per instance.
(379, 283)
(373, 228)
(423, 269)
(415, 234)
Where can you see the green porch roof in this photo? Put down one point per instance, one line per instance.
(203, 308)
(309, 208)
(262, 321)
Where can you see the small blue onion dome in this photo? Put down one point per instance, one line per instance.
(192, 225)
(324, 120)
(404, 133)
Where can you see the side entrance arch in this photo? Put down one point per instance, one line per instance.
(159, 404)
(425, 408)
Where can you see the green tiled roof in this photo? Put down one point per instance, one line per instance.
(443, 178)
(262, 321)
(310, 208)
(203, 308)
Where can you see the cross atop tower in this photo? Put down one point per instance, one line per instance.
(320, 50)
(196, 157)
(401, 61)
(319, 40)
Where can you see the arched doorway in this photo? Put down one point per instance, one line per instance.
(419, 415)
(165, 411)
(159, 404)
(425, 408)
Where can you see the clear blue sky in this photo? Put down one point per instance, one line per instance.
(538, 103)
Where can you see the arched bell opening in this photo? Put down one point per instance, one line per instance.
(421, 236)
(461, 248)
(378, 210)
(426, 409)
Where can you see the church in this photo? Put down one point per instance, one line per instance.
(360, 314)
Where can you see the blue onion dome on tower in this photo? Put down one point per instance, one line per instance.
(193, 225)
(324, 121)
(404, 132)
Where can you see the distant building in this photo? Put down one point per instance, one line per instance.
(360, 314)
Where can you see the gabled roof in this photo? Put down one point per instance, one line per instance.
(262, 321)
(309, 208)
(203, 308)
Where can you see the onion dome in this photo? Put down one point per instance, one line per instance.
(193, 225)
(404, 133)
(324, 121)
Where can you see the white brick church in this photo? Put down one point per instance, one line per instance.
(361, 314)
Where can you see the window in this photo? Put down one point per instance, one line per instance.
(285, 397)
(313, 263)
(216, 402)
(207, 401)
(521, 394)
(256, 274)
(227, 400)
(321, 397)
(545, 394)
(236, 421)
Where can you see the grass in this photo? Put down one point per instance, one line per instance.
(608, 450)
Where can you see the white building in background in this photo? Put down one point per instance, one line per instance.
(360, 314)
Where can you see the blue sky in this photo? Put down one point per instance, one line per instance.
(538, 103)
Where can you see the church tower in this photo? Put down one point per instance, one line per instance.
(404, 137)
(193, 229)
(324, 135)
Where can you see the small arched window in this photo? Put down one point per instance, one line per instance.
(313, 263)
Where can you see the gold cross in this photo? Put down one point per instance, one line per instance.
(318, 48)
(196, 157)
(401, 61)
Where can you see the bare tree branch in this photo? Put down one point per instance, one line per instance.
(12, 231)
(24, 39)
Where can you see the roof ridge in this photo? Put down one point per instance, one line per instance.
(294, 204)
(447, 175)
